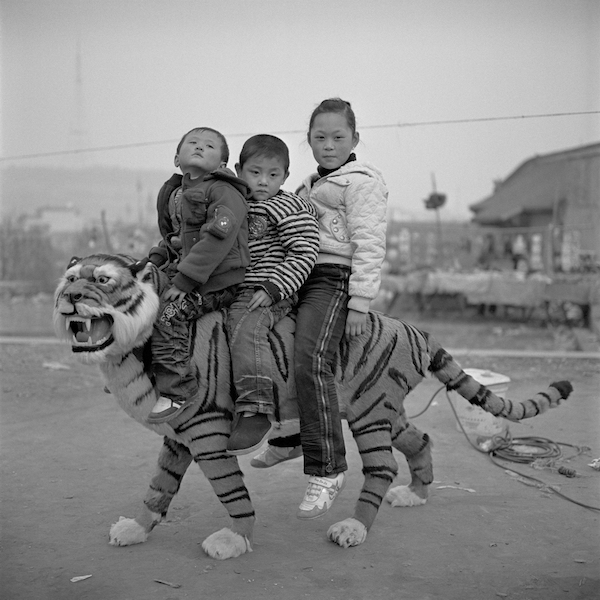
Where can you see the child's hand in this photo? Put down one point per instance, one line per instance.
(260, 298)
(174, 293)
(356, 323)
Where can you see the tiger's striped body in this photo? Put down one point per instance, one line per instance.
(105, 307)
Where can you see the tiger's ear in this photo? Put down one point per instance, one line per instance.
(73, 261)
(138, 265)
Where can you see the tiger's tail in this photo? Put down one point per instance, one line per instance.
(449, 372)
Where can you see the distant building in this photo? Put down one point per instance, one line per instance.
(417, 244)
(125, 196)
(64, 226)
(550, 206)
(57, 220)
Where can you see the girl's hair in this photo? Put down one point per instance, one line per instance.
(267, 146)
(224, 146)
(335, 105)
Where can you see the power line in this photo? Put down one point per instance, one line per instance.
(482, 119)
(297, 131)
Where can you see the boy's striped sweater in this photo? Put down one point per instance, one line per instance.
(284, 243)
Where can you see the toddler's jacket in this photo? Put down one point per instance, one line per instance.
(214, 231)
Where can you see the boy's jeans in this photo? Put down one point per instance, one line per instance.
(320, 324)
(251, 355)
(170, 341)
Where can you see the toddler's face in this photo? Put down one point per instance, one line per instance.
(200, 153)
(331, 140)
(265, 176)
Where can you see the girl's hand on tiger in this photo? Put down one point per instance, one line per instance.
(260, 298)
(174, 293)
(356, 323)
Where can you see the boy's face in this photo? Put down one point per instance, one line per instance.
(200, 153)
(265, 176)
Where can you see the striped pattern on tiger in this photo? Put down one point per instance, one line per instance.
(105, 306)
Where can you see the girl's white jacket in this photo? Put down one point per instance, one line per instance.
(352, 207)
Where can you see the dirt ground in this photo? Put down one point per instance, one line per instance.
(72, 462)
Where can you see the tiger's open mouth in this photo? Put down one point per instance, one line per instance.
(89, 334)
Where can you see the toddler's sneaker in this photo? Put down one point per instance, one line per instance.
(249, 433)
(273, 455)
(164, 410)
(320, 495)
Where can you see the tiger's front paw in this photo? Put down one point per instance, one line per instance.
(126, 532)
(346, 533)
(226, 544)
(403, 495)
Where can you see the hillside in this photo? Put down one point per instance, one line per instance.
(125, 195)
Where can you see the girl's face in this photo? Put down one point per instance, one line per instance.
(331, 140)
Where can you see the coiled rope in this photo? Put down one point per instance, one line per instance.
(524, 450)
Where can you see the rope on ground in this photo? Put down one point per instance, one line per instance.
(514, 450)
(428, 404)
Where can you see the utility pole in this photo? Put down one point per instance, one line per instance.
(434, 202)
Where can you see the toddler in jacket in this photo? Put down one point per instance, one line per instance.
(204, 252)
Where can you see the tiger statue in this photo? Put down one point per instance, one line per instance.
(105, 306)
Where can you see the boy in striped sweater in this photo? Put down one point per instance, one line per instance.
(284, 242)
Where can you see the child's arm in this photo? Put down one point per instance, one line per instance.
(158, 255)
(366, 211)
(259, 298)
(356, 323)
(162, 253)
(298, 231)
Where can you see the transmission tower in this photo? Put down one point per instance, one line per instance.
(78, 134)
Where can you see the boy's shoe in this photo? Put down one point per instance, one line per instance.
(249, 433)
(273, 455)
(320, 495)
(164, 410)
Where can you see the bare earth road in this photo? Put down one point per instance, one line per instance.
(72, 462)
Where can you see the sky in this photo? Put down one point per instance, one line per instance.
(445, 91)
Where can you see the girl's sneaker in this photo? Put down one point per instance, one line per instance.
(320, 495)
(273, 455)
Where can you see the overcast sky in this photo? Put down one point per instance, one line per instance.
(153, 69)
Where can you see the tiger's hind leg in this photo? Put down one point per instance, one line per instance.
(173, 460)
(416, 447)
